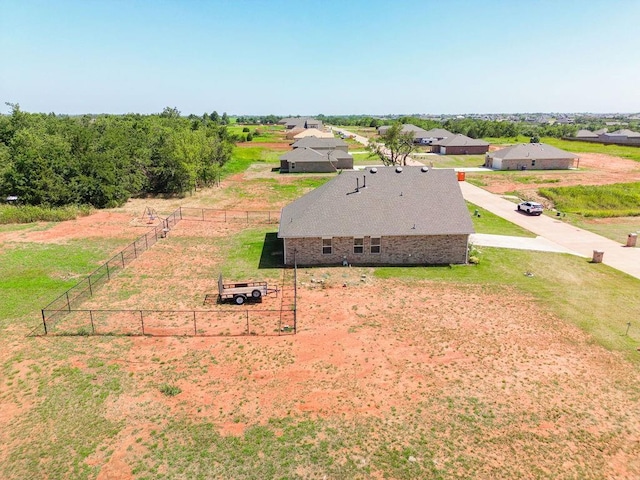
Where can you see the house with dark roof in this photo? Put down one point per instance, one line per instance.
(435, 135)
(300, 122)
(310, 160)
(530, 156)
(586, 134)
(379, 216)
(459, 144)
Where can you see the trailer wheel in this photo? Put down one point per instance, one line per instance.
(256, 294)
(239, 299)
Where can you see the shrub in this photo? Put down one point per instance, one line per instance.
(246, 130)
(170, 390)
(31, 213)
(249, 137)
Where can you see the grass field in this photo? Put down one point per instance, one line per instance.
(603, 201)
(267, 133)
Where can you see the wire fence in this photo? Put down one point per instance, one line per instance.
(205, 323)
(242, 216)
(171, 322)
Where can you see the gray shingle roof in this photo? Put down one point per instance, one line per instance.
(531, 151)
(315, 142)
(438, 133)
(625, 132)
(586, 134)
(412, 202)
(305, 154)
(460, 140)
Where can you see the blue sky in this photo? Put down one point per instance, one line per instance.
(331, 57)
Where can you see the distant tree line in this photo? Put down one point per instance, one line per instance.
(53, 160)
(258, 119)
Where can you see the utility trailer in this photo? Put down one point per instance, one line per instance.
(240, 292)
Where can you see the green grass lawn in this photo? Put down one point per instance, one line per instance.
(486, 222)
(242, 157)
(616, 229)
(615, 200)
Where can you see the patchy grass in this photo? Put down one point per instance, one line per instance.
(617, 228)
(615, 200)
(576, 290)
(451, 161)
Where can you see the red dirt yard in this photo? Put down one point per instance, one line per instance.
(495, 385)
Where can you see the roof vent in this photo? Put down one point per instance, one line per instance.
(398, 169)
(424, 169)
(373, 170)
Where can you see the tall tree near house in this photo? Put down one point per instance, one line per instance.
(395, 146)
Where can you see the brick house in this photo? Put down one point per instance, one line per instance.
(460, 145)
(309, 160)
(530, 156)
(379, 216)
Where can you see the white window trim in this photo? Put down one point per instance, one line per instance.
(361, 245)
(327, 246)
(379, 245)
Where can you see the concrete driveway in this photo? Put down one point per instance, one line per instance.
(567, 236)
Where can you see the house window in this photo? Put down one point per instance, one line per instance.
(326, 246)
(358, 245)
(375, 245)
(293, 166)
(533, 163)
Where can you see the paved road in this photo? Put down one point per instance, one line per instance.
(365, 141)
(572, 238)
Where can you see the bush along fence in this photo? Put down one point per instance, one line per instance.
(168, 322)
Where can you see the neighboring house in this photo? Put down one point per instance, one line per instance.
(379, 216)
(307, 160)
(313, 132)
(435, 135)
(321, 144)
(586, 134)
(460, 145)
(300, 122)
(419, 134)
(530, 156)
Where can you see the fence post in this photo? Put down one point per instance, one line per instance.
(180, 209)
(90, 289)
(93, 328)
(142, 322)
(68, 302)
(122, 255)
(135, 251)
(146, 242)
(108, 274)
(44, 322)
(195, 328)
(247, 322)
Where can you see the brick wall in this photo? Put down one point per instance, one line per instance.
(545, 164)
(400, 250)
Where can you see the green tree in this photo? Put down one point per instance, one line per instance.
(395, 147)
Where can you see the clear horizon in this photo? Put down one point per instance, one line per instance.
(332, 58)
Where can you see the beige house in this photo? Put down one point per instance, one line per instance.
(530, 156)
(379, 216)
(313, 132)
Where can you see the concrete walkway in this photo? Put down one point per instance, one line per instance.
(572, 238)
(538, 244)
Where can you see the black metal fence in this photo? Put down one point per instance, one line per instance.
(242, 216)
(206, 323)
(84, 289)
(171, 322)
